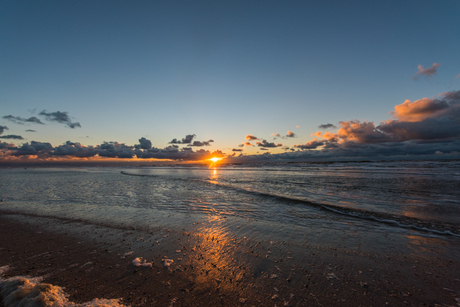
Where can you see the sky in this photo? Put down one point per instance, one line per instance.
(244, 80)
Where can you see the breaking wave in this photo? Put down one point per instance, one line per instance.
(20, 291)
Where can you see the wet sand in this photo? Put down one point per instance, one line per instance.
(209, 269)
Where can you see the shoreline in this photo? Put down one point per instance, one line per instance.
(210, 270)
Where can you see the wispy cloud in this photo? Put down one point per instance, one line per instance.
(59, 117)
(12, 137)
(327, 126)
(427, 72)
(21, 121)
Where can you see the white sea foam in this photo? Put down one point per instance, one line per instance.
(21, 291)
(167, 262)
(141, 262)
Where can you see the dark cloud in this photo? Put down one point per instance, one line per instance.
(30, 130)
(115, 150)
(250, 137)
(310, 145)
(60, 117)
(75, 150)
(237, 149)
(12, 137)
(427, 72)
(4, 145)
(21, 121)
(34, 148)
(200, 144)
(144, 143)
(327, 126)
(290, 134)
(3, 128)
(265, 144)
(187, 140)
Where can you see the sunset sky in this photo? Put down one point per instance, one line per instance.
(294, 80)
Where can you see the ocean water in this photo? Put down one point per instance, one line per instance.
(422, 195)
(368, 209)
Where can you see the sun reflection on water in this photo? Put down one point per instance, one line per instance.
(214, 176)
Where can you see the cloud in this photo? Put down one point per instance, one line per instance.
(250, 137)
(144, 143)
(327, 126)
(3, 128)
(247, 143)
(60, 117)
(458, 76)
(266, 144)
(34, 148)
(276, 135)
(200, 144)
(187, 140)
(290, 134)
(12, 137)
(420, 109)
(21, 121)
(4, 145)
(313, 144)
(237, 149)
(427, 72)
(30, 130)
(74, 150)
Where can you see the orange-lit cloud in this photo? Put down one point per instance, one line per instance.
(251, 137)
(290, 134)
(317, 134)
(419, 109)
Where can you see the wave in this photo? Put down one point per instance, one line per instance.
(27, 291)
(432, 226)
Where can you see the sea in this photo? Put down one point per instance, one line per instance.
(261, 202)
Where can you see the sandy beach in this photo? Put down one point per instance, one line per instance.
(91, 261)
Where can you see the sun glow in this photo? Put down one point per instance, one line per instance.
(215, 159)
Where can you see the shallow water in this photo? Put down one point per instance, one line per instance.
(370, 211)
(415, 195)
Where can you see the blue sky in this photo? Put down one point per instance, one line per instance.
(219, 69)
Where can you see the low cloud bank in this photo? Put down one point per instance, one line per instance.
(143, 150)
(428, 126)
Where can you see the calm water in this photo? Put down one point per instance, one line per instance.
(423, 196)
(386, 219)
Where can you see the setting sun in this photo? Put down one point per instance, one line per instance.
(215, 159)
